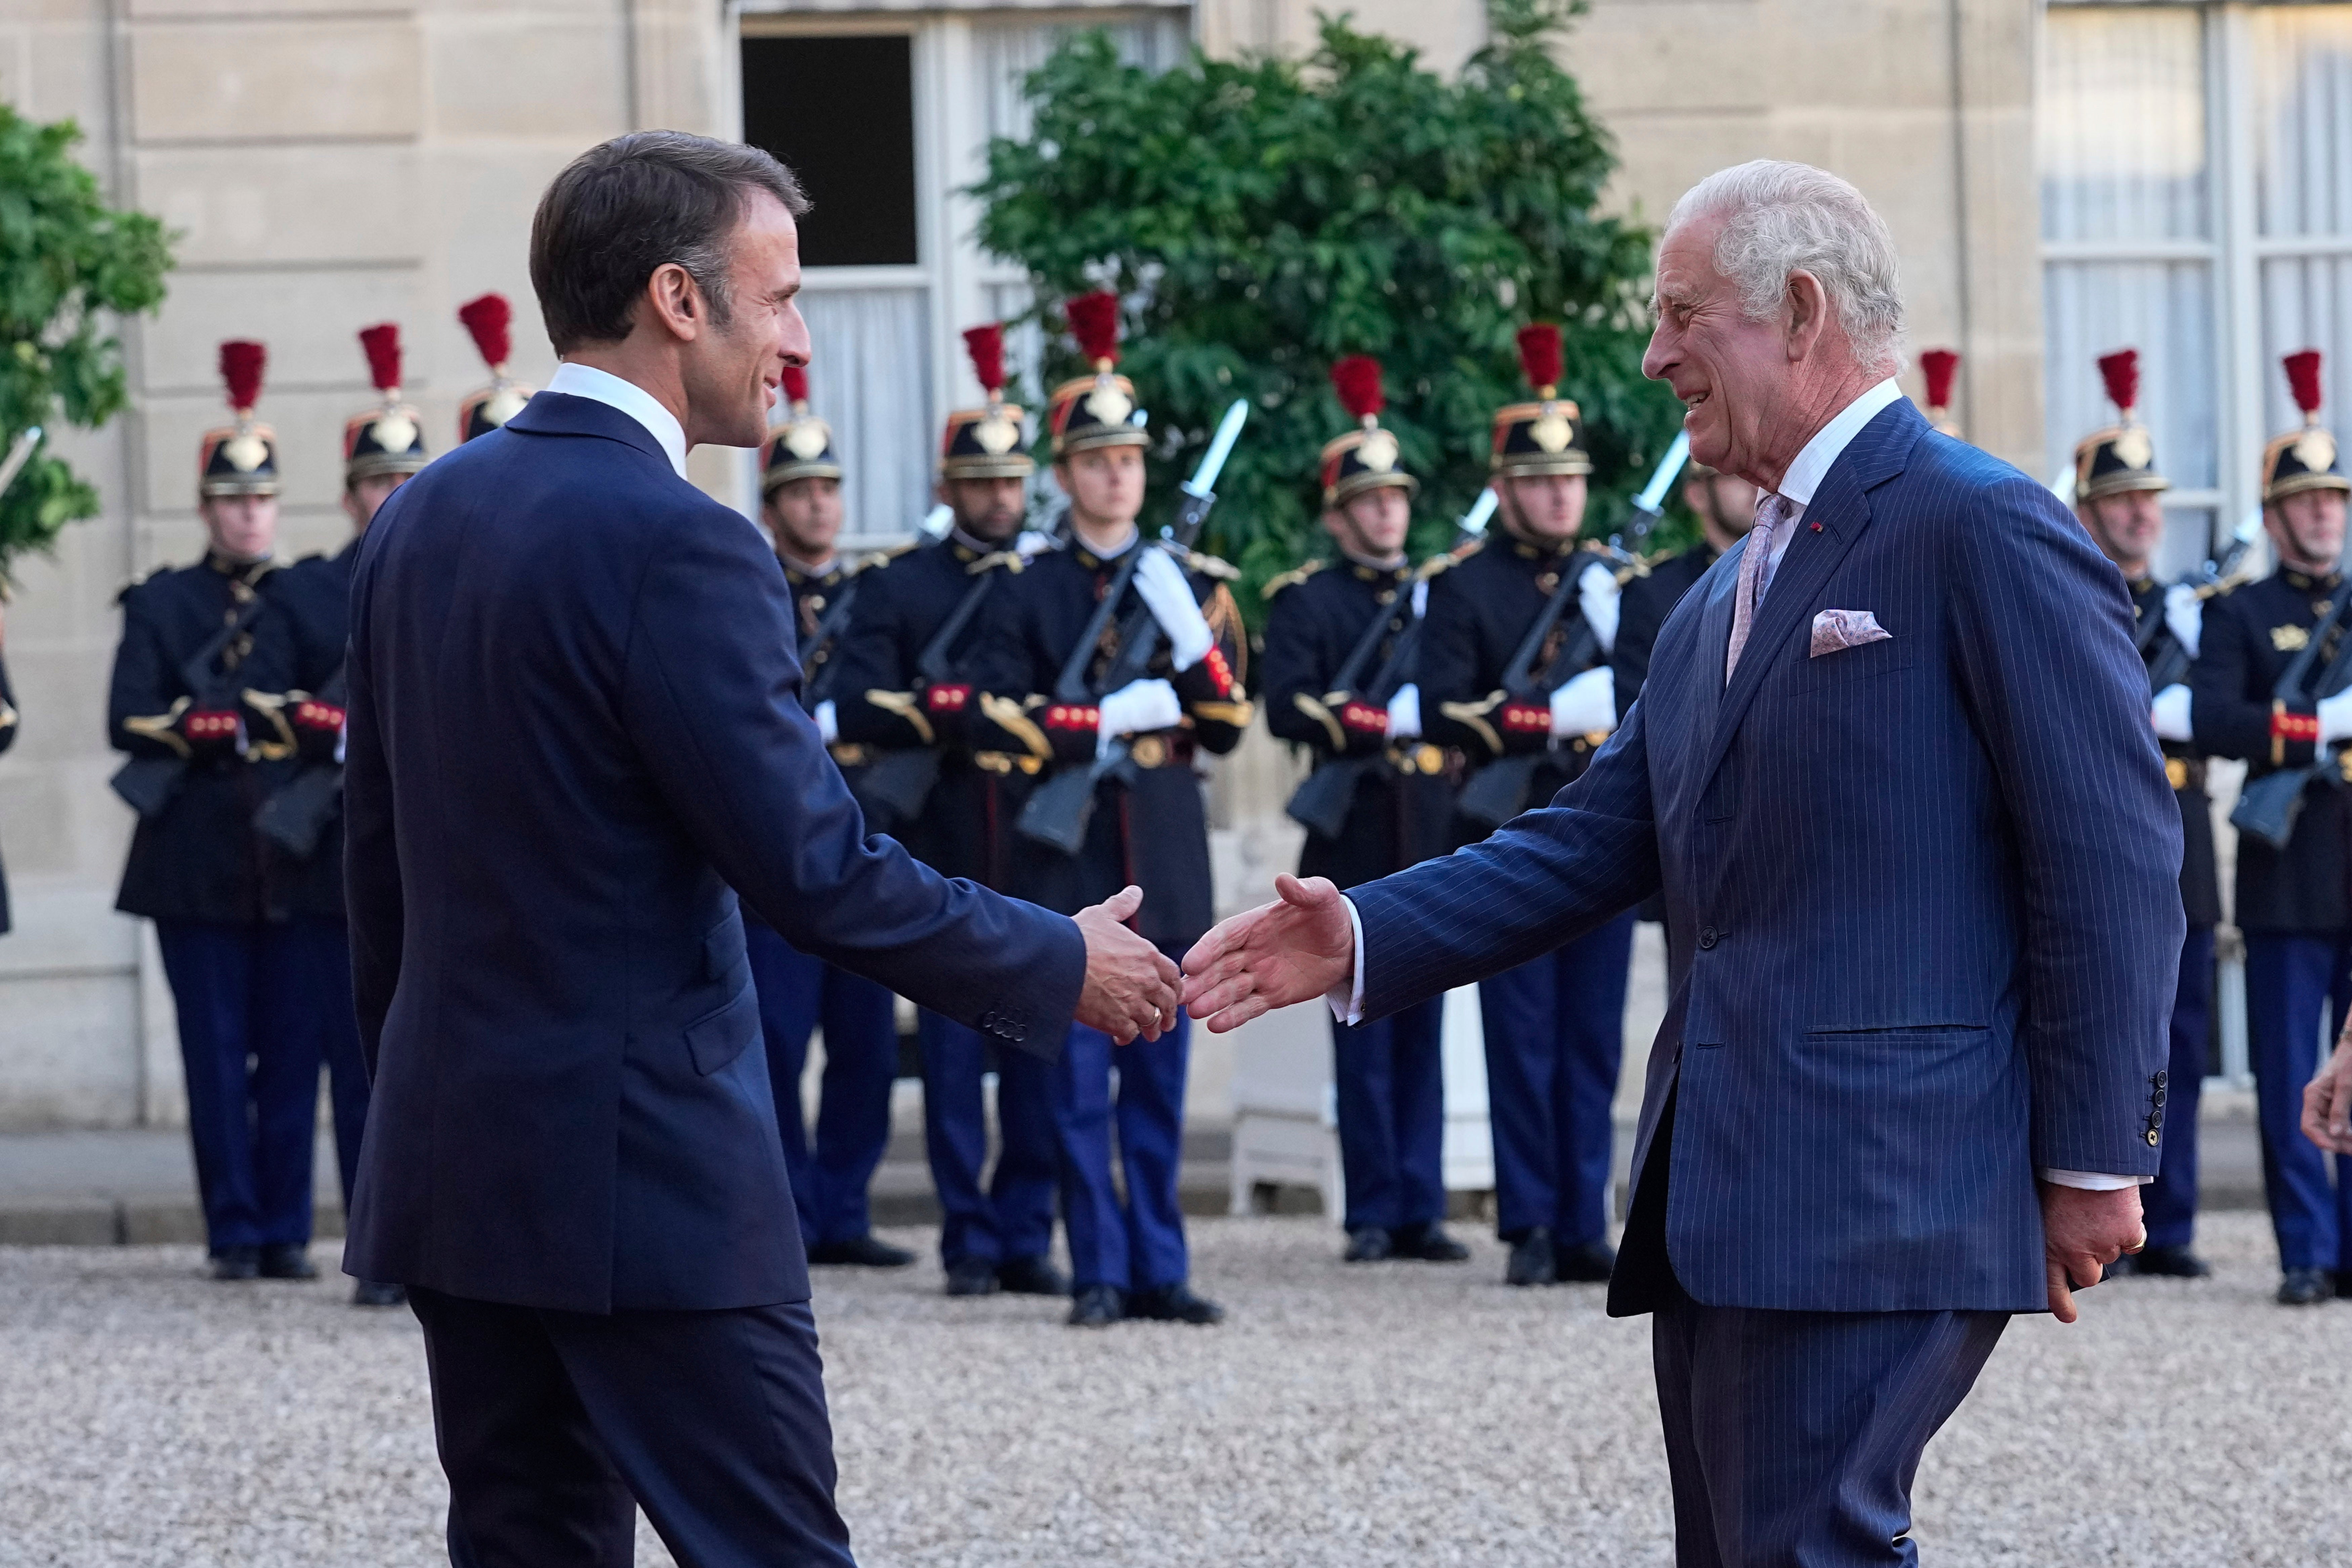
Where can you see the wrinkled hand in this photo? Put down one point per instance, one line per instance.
(1296, 949)
(2327, 1102)
(1131, 986)
(2082, 1233)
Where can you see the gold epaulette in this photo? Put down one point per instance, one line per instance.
(1290, 579)
(1445, 560)
(2226, 586)
(1011, 560)
(1211, 567)
(881, 557)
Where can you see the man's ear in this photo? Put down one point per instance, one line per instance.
(1808, 314)
(674, 304)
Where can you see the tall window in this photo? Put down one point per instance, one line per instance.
(2196, 171)
(887, 114)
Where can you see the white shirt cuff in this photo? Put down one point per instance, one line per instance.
(2092, 1180)
(1348, 1002)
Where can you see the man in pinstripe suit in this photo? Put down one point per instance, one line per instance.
(1893, 772)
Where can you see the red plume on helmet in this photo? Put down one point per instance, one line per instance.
(1940, 366)
(1094, 322)
(488, 319)
(986, 346)
(2120, 369)
(241, 364)
(1539, 356)
(796, 386)
(2303, 380)
(1356, 379)
(381, 343)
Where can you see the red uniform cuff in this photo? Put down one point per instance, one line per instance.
(1074, 716)
(1364, 718)
(1527, 719)
(947, 698)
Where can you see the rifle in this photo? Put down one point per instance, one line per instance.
(1499, 790)
(899, 780)
(2268, 807)
(1056, 816)
(296, 817)
(1321, 801)
(828, 631)
(2171, 666)
(148, 783)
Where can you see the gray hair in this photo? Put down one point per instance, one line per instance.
(1780, 218)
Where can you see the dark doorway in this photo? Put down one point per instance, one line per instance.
(840, 111)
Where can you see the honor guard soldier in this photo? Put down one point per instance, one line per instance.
(1144, 824)
(905, 692)
(2267, 688)
(800, 488)
(2116, 487)
(1940, 368)
(1554, 1026)
(1725, 505)
(489, 319)
(1333, 632)
(197, 699)
(382, 446)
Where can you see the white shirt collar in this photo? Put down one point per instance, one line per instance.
(1812, 465)
(577, 380)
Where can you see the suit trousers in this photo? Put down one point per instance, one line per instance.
(1555, 1031)
(554, 1427)
(797, 992)
(1139, 1244)
(1013, 1215)
(1389, 1082)
(249, 1003)
(338, 1034)
(2295, 984)
(2170, 1201)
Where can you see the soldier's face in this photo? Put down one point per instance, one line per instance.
(2307, 528)
(988, 510)
(731, 370)
(243, 528)
(2128, 527)
(364, 497)
(804, 515)
(1372, 523)
(1105, 485)
(1726, 506)
(1546, 509)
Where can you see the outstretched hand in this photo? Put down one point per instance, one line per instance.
(1296, 949)
(1131, 986)
(2327, 1102)
(2082, 1231)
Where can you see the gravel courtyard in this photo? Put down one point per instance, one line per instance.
(1395, 1414)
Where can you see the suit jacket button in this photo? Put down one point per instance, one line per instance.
(2151, 1137)
(1706, 936)
(2160, 1078)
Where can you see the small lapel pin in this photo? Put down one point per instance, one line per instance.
(1817, 528)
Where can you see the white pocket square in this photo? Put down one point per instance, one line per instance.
(1835, 629)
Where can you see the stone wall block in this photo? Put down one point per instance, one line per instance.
(309, 320)
(261, 80)
(576, 87)
(285, 205)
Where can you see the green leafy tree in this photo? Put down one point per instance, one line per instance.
(1263, 218)
(65, 260)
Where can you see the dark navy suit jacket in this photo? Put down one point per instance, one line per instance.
(575, 724)
(1921, 909)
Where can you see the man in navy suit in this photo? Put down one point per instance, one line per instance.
(1894, 773)
(573, 728)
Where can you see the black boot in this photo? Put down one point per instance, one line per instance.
(1368, 1244)
(1174, 1304)
(971, 1276)
(1429, 1244)
(1532, 1260)
(2168, 1263)
(1587, 1265)
(2304, 1287)
(1032, 1276)
(1097, 1306)
(237, 1263)
(374, 1293)
(288, 1260)
(861, 1252)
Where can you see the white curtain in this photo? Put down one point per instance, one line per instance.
(869, 377)
(2303, 147)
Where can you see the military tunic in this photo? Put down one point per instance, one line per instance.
(1643, 609)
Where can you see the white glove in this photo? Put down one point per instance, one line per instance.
(1161, 582)
(1421, 598)
(1138, 706)
(828, 724)
(2170, 713)
(1585, 704)
(2335, 718)
(1405, 714)
(1596, 596)
(1032, 545)
(2184, 615)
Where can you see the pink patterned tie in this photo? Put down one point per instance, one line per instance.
(1754, 576)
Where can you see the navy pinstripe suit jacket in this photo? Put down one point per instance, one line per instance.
(1922, 907)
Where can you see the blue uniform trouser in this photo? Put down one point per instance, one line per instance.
(1555, 1031)
(248, 1003)
(1012, 1217)
(2169, 1203)
(2293, 982)
(339, 1029)
(1138, 1244)
(797, 992)
(1390, 1078)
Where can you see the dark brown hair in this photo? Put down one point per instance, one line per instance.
(620, 210)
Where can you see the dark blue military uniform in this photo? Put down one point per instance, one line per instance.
(1151, 831)
(1554, 1026)
(245, 975)
(964, 829)
(1389, 1075)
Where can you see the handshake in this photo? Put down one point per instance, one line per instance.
(1299, 947)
